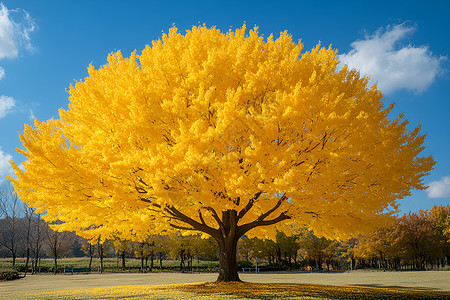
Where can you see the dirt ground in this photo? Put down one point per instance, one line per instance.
(429, 280)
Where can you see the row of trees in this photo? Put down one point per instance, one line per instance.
(23, 233)
(416, 240)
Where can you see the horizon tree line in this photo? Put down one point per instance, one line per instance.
(415, 241)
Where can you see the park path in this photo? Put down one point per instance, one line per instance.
(429, 280)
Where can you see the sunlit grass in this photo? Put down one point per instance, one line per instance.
(228, 291)
(169, 292)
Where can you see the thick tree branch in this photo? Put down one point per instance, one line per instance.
(261, 220)
(249, 205)
(257, 223)
(280, 218)
(312, 213)
(181, 227)
(270, 211)
(171, 210)
(201, 217)
(217, 218)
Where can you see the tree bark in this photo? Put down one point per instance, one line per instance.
(91, 255)
(227, 246)
(27, 261)
(227, 260)
(100, 254)
(56, 265)
(142, 262)
(122, 256)
(152, 257)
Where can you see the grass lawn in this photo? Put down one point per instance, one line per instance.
(354, 285)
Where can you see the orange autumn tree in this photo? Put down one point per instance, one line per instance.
(222, 133)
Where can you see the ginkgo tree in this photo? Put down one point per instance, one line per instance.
(225, 134)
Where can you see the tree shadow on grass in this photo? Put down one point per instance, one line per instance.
(375, 285)
(292, 291)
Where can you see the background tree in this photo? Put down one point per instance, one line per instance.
(145, 250)
(162, 246)
(101, 249)
(11, 227)
(419, 238)
(58, 244)
(89, 249)
(346, 251)
(182, 248)
(441, 220)
(122, 248)
(37, 237)
(225, 134)
(287, 246)
(318, 250)
(258, 248)
(206, 249)
(28, 222)
(380, 249)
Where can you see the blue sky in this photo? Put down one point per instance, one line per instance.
(403, 45)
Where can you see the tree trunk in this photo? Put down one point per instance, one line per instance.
(227, 260)
(100, 254)
(228, 270)
(101, 264)
(123, 260)
(146, 264)
(278, 251)
(91, 255)
(152, 257)
(56, 265)
(182, 260)
(143, 268)
(27, 261)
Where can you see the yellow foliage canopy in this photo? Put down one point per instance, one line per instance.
(208, 122)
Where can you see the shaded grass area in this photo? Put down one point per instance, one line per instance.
(297, 291)
(230, 291)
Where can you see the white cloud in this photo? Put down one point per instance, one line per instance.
(390, 66)
(15, 28)
(8, 47)
(440, 188)
(14, 32)
(32, 116)
(5, 167)
(6, 105)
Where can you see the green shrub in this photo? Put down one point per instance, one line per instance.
(8, 274)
